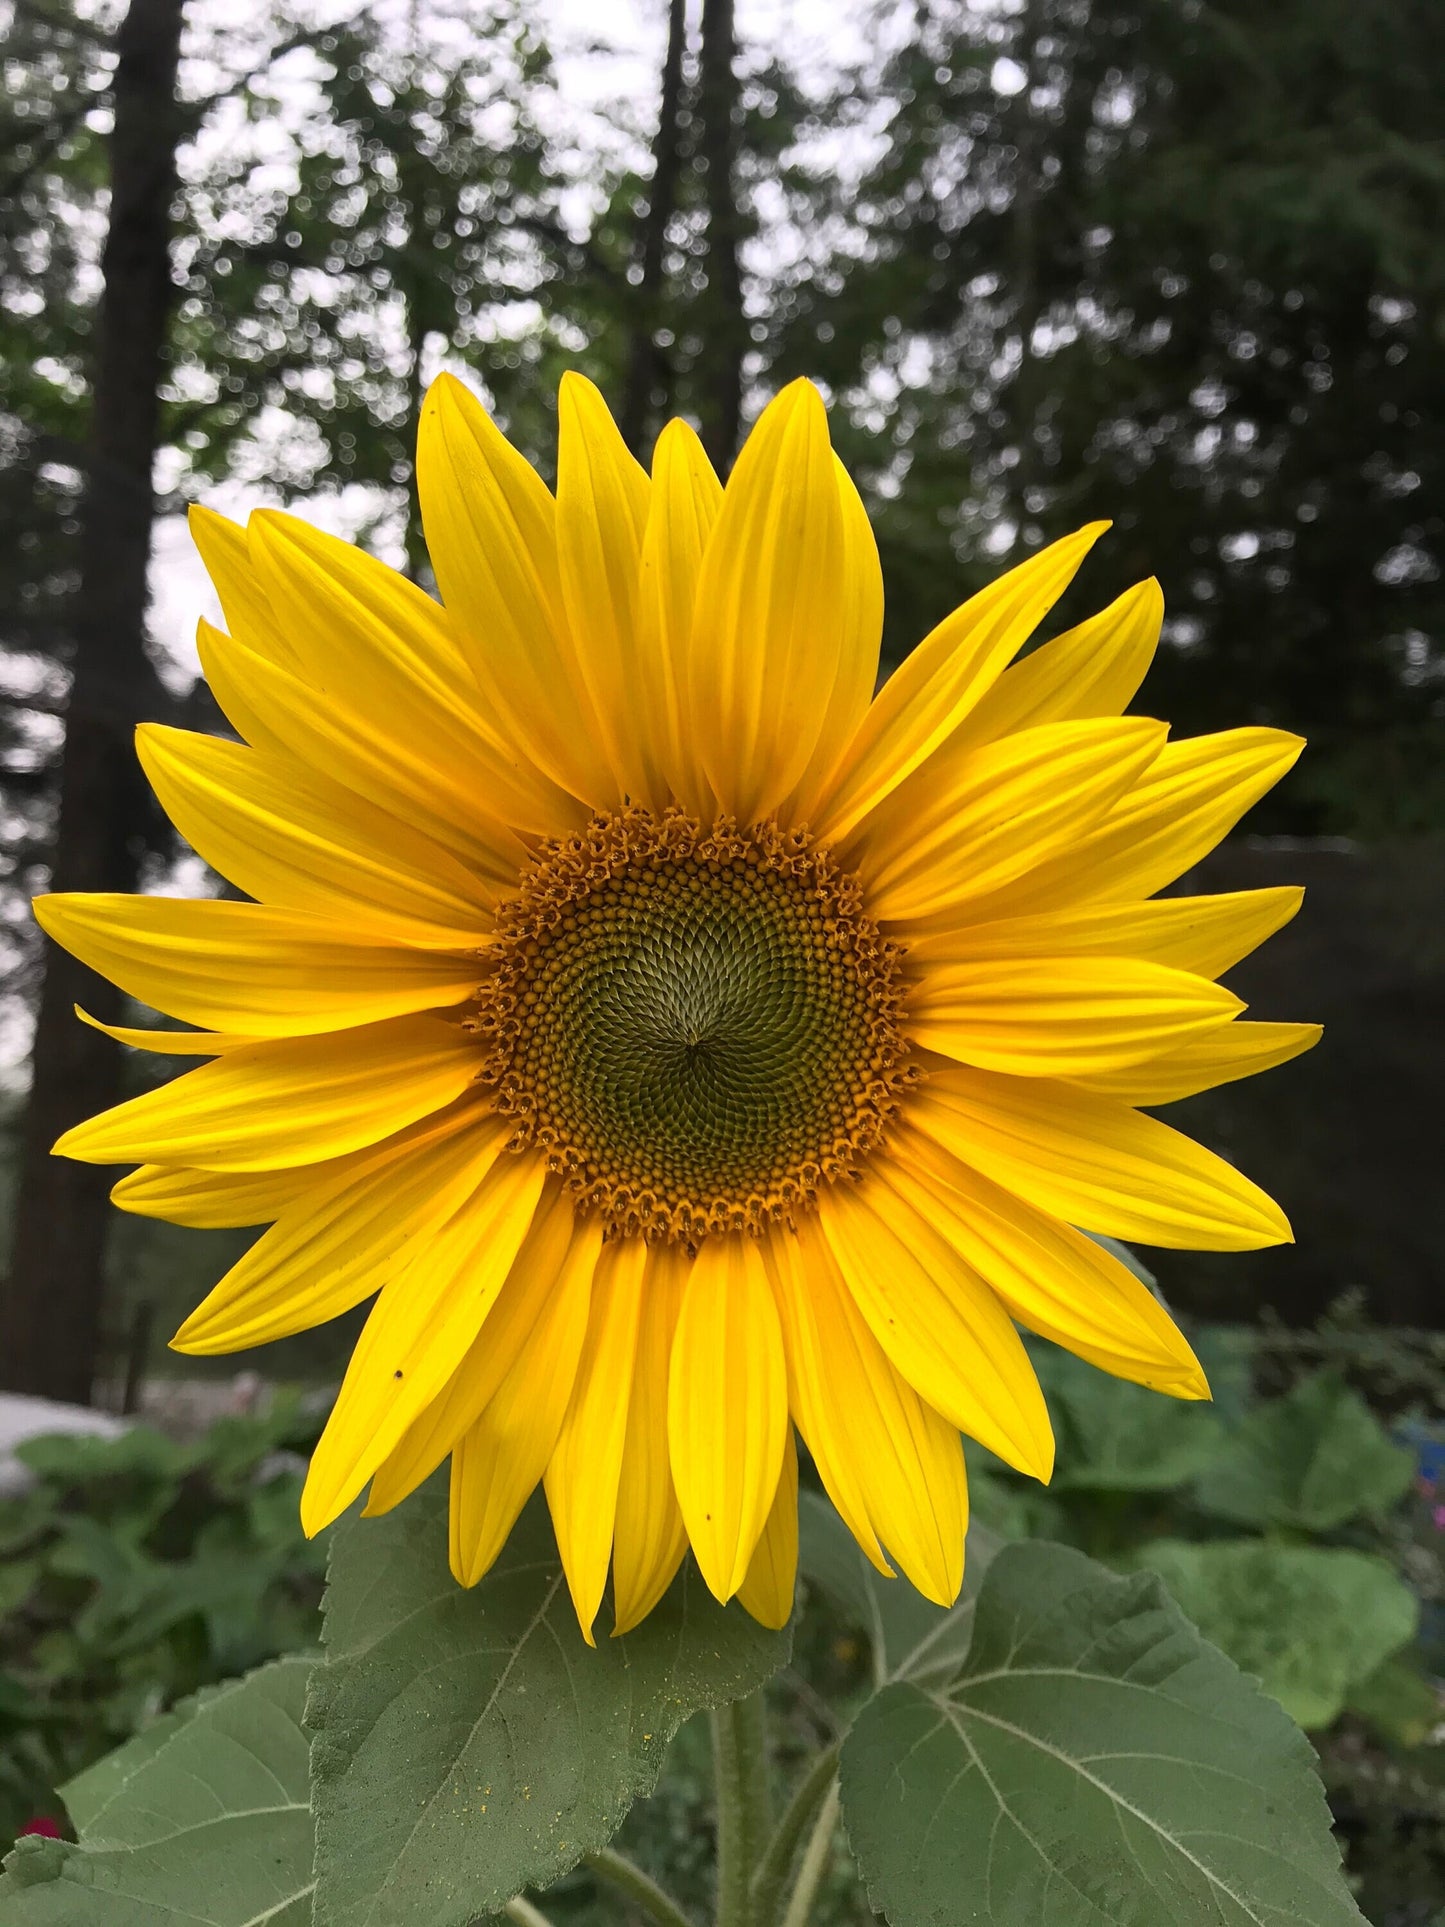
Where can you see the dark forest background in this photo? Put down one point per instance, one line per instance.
(1181, 264)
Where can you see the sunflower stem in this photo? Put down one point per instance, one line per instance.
(740, 1774)
(815, 1861)
(521, 1910)
(639, 1887)
(777, 1860)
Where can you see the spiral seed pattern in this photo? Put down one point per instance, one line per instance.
(698, 1027)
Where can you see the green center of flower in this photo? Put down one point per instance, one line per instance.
(698, 1028)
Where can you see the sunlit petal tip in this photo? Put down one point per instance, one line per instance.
(579, 394)
(321, 1504)
(49, 913)
(799, 401)
(190, 1339)
(1041, 1460)
(1194, 1387)
(76, 1143)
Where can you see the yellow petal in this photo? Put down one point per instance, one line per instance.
(890, 1464)
(276, 710)
(727, 1408)
(224, 547)
(540, 1315)
(352, 1228)
(1191, 796)
(499, 1459)
(602, 502)
(944, 1330)
(249, 968)
(224, 661)
(936, 845)
(827, 1384)
(858, 656)
(1237, 1051)
(650, 1537)
(281, 1102)
(385, 659)
(491, 532)
(1095, 1163)
(1207, 935)
(1054, 1280)
(170, 1043)
(933, 689)
(212, 1200)
(686, 497)
(1063, 1016)
(419, 1329)
(583, 1473)
(771, 611)
(287, 838)
(1093, 670)
(767, 1591)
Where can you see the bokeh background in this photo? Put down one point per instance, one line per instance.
(1179, 263)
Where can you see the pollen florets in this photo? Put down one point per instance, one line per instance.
(699, 1027)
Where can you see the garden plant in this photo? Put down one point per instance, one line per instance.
(713, 1068)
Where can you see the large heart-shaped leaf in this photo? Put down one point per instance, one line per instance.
(1095, 1763)
(1310, 1460)
(1309, 1622)
(202, 1821)
(467, 1743)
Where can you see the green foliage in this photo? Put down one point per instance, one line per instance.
(135, 1571)
(1115, 1437)
(209, 1810)
(1310, 1622)
(1181, 266)
(467, 1743)
(909, 1638)
(1147, 1481)
(1061, 1746)
(1092, 1754)
(1309, 1461)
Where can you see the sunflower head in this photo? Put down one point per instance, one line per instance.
(697, 1026)
(686, 1048)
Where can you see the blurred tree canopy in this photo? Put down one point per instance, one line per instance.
(1180, 264)
(1175, 262)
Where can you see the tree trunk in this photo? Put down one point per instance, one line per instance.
(724, 326)
(645, 366)
(50, 1314)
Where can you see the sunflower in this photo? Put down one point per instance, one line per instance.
(679, 1042)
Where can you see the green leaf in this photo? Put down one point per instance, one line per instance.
(1115, 1437)
(467, 1743)
(202, 1821)
(1311, 1460)
(911, 1638)
(1398, 1701)
(1095, 1763)
(92, 1793)
(1308, 1621)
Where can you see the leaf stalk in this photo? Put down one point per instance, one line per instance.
(639, 1887)
(777, 1860)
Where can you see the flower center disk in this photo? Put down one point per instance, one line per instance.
(698, 1026)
